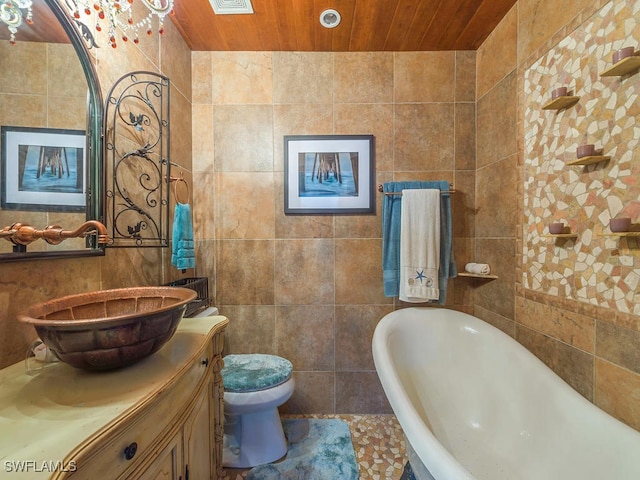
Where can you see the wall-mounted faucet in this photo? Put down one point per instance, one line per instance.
(22, 234)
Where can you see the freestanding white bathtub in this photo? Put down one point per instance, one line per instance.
(475, 404)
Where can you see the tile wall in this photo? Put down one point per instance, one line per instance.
(593, 346)
(309, 288)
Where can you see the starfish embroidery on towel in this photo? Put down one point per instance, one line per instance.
(420, 276)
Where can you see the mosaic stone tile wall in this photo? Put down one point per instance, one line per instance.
(592, 268)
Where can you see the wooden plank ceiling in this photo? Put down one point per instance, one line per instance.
(367, 25)
(45, 27)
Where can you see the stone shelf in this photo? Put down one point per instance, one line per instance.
(561, 102)
(624, 66)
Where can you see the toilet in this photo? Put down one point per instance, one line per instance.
(255, 385)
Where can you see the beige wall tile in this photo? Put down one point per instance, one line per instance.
(181, 127)
(175, 60)
(496, 122)
(243, 138)
(251, 329)
(202, 77)
(424, 138)
(498, 295)
(361, 226)
(497, 198)
(34, 108)
(363, 77)
(244, 272)
(465, 76)
(305, 273)
(355, 325)
(67, 112)
(242, 77)
(65, 75)
(244, 205)
(305, 336)
(424, 77)
(617, 391)
(465, 136)
(574, 366)
(206, 264)
(618, 345)
(360, 392)
(24, 68)
(203, 207)
(567, 326)
(463, 208)
(131, 267)
(314, 393)
(302, 77)
(202, 138)
(507, 325)
(498, 55)
(359, 272)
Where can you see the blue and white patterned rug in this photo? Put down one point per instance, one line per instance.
(318, 449)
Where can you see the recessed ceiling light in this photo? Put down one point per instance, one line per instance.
(231, 7)
(330, 18)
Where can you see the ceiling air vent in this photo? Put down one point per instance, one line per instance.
(231, 7)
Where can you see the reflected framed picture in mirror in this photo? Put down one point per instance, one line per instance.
(43, 169)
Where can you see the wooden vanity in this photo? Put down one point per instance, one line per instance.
(159, 418)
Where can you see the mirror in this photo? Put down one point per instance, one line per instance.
(51, 153)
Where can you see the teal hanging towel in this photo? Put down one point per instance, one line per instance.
(183, 254)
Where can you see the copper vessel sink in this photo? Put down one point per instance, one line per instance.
(109, 329)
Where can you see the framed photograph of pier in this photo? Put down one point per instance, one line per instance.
(43, 169)
(329, 174)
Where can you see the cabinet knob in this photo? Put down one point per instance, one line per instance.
(130, 451)
(205, 362)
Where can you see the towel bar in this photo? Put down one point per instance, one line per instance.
(451, 190)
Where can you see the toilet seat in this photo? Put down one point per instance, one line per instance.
(254, 372)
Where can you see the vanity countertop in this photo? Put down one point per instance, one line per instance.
(46, 415)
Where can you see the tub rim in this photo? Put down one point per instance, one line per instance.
(422, 440)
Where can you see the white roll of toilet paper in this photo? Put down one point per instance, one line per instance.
(478, 268)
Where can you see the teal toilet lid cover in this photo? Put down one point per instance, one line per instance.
(255, 371)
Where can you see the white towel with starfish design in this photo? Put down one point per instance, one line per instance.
(419, 245)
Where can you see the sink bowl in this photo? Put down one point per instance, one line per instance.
(110, 328)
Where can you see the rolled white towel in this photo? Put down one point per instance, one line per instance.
(477, 268)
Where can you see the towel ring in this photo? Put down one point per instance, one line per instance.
(177, 180)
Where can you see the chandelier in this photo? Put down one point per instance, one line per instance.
(114, 15)
(11, 13)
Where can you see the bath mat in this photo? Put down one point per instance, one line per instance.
(318, 449)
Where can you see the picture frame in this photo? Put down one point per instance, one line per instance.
(329, 174)
(43, 169)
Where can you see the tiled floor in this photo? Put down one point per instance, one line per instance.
(378, 442)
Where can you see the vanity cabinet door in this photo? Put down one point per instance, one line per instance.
(197, 434)
(167, 465)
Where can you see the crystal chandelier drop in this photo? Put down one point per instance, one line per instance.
(113, 15)
(11, 13)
